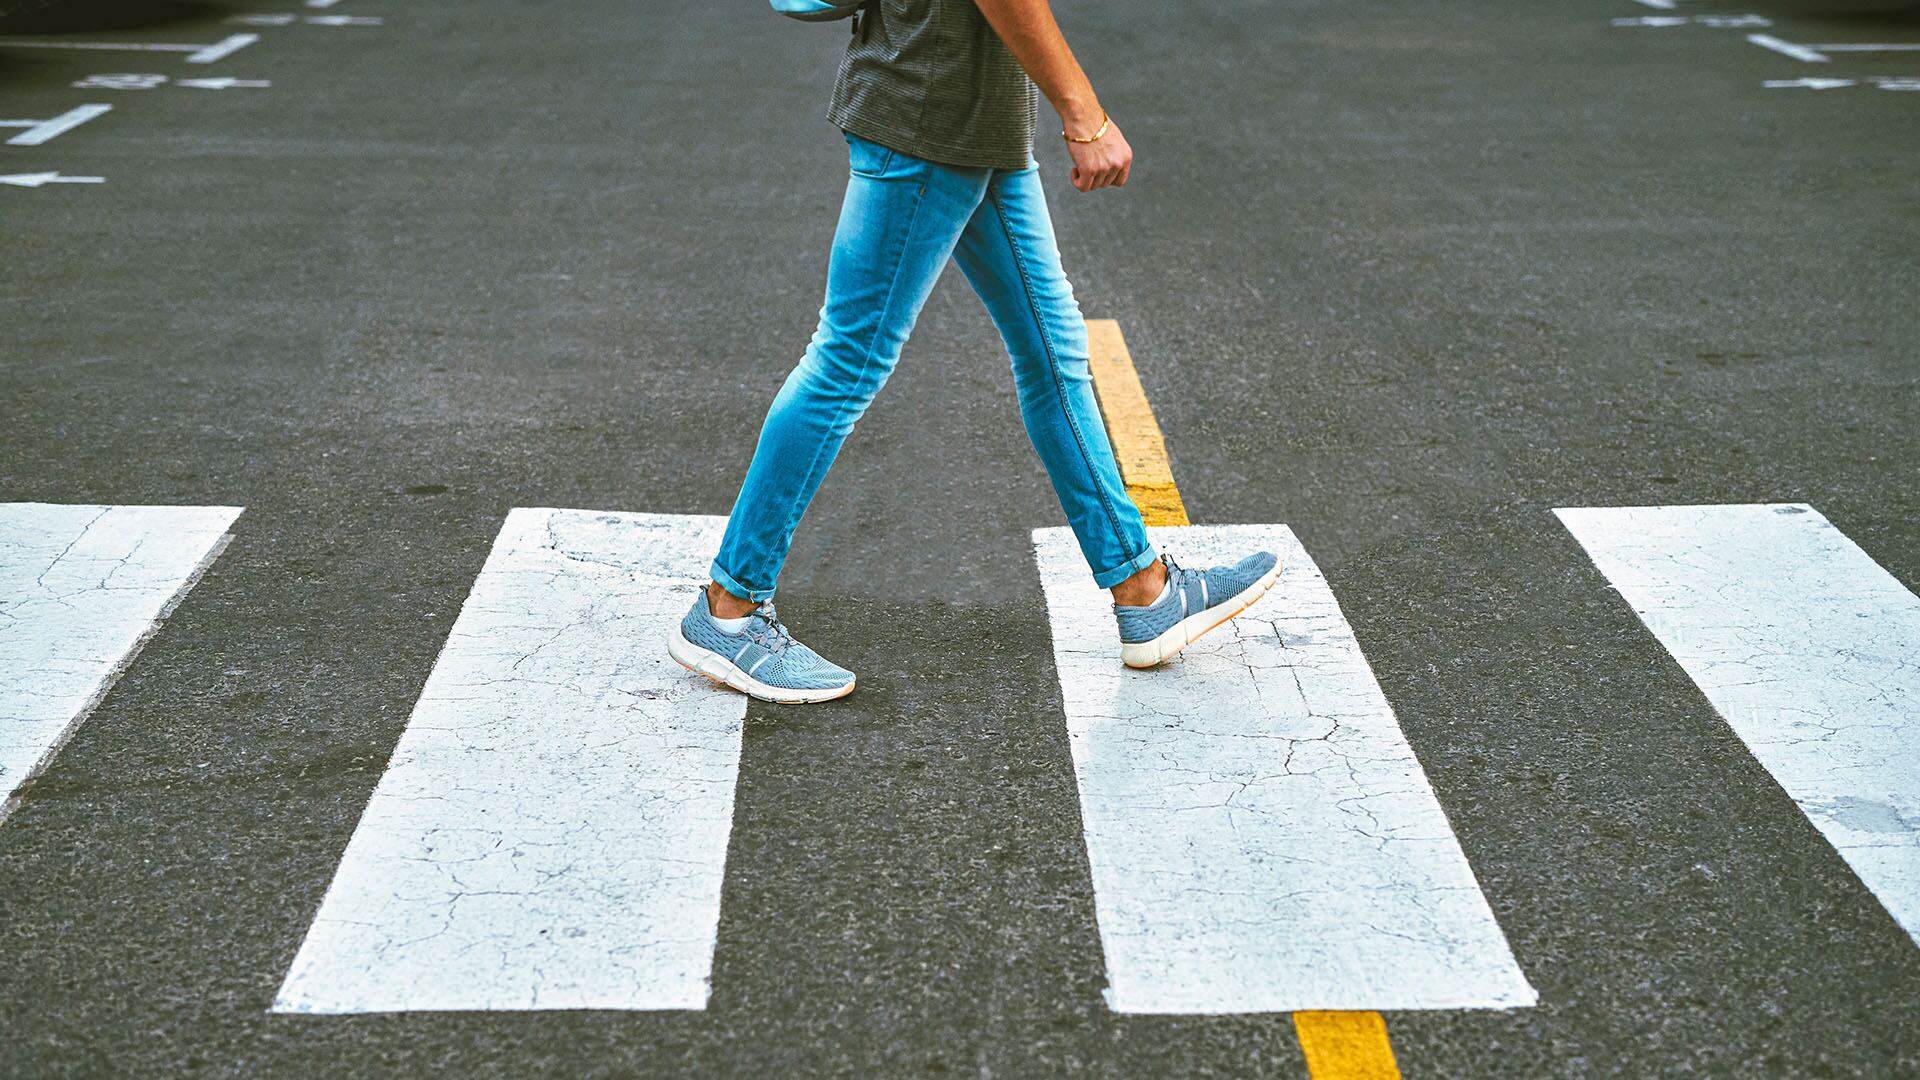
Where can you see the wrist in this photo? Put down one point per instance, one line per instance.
(1082, 116)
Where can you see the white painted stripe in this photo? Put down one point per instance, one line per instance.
(222, 49)
(1808, 648)
(1261, 836)
(40, 131)
(1788, 48)
(117, 46)
(552, 829)
(1663, 5)
(80, 588)
(199, 54)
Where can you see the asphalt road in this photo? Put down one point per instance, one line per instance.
(1402, 276)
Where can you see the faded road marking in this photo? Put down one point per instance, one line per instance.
(80, 588)
(1261, 836)
(1808, 648)
(41, 131)
(552, 830)
(196, 54)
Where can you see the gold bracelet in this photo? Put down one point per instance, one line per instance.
(1103, 130)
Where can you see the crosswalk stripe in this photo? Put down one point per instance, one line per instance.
(1808, 648)
(552, 830)
(81, 587)
(1260, 833)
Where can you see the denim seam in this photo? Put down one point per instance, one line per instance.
(1053, 368)
(893, 285)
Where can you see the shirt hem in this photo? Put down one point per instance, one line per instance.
(920, 146)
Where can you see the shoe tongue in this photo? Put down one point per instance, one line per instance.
(770, 623)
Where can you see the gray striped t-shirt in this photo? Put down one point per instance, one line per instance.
(932, 79)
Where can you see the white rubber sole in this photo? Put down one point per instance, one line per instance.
(1144, 654)
(724, 671)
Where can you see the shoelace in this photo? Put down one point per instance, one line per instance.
(768, 631)
(1175, 572)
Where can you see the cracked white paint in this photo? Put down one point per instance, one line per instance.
(1808, 648)
(80, 588)
(1261, 836)
(552, 830)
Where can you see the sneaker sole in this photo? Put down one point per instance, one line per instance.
(1145, 654)
(725, 672)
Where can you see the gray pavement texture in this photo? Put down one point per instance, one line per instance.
(1403, 276)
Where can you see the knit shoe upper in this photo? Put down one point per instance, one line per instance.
(1190, 592)
(764, 650)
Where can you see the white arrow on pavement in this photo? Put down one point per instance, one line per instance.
(224, 82)
(1807, 84)
(311, 20)
(1718, 22)
(39, 178)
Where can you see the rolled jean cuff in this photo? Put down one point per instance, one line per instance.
(1107, 579)
(726, 582)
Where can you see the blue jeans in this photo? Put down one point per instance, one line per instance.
(901, 220)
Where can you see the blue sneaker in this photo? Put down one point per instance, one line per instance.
(1195, 602)
(762, 660)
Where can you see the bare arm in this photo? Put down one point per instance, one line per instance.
(1028, 28)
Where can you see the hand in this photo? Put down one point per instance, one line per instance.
(1103, 162)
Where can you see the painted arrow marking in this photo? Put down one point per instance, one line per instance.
(81, 587)
(1805, 645)
(35, 180)
(551, 832)
(1807, 84)
(1720, 22)
(196, 54)
(1880, 82)
(1817, 54)
(225, 82)
(39, 131)
(310, 20)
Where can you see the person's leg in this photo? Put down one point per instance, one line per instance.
(898, 226)
(1009, 255)
(1160, 607)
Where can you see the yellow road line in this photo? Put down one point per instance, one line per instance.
(1131, 427)
(1345, 1045)
(1337, 1045)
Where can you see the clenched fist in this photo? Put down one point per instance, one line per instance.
(1103, 162)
